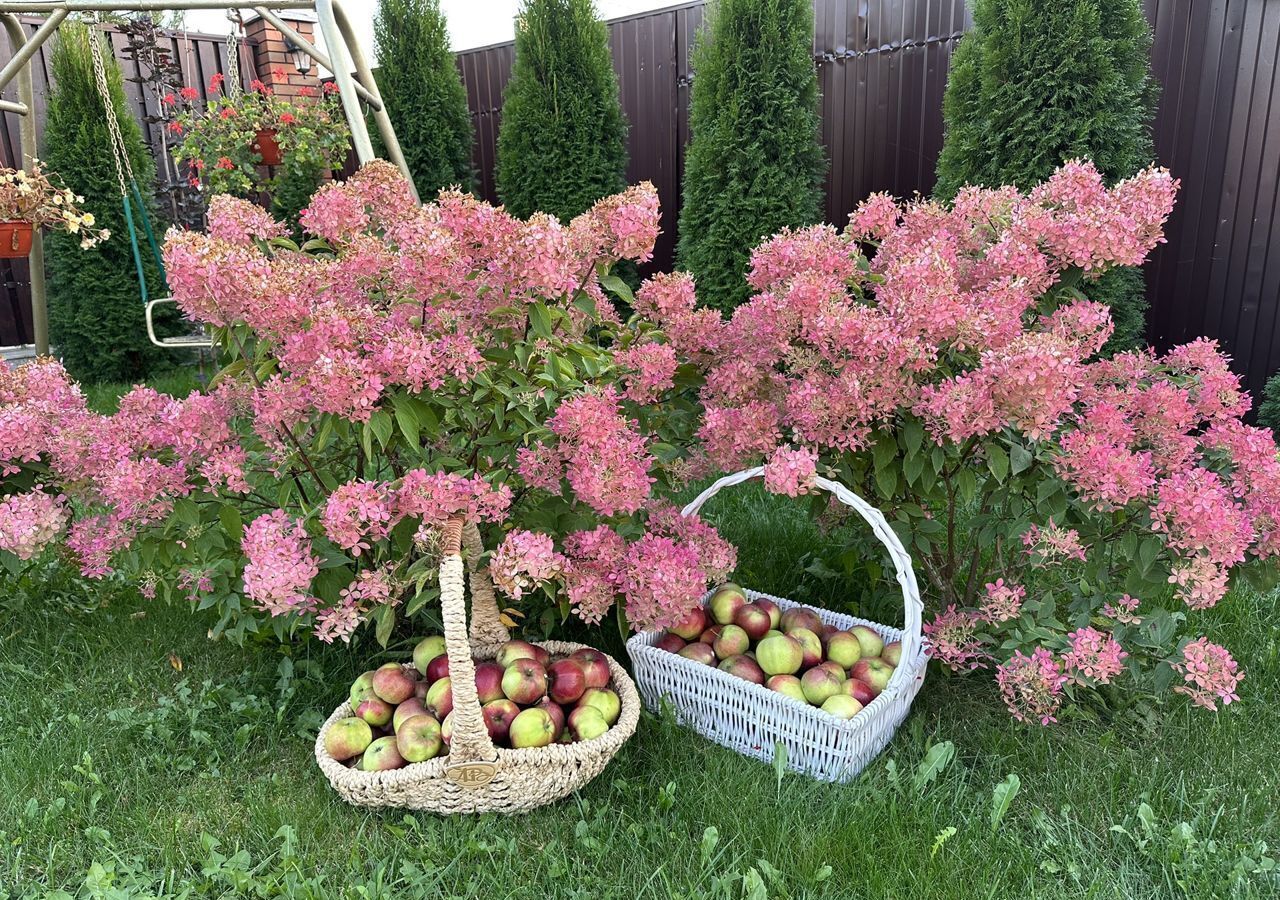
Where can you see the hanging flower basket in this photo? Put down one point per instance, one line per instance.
(266, 146)
(476, 776)
(15, 239)
(752, 719)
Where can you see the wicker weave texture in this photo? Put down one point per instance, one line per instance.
(752, 719)
(476, 776)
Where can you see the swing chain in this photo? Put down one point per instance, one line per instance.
(119, 152)
(233, 87)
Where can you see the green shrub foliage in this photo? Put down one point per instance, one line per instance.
(755, 162)
(1269, 408)
(96, 319)
(1035, 84)
(424, 94)
(563, 141)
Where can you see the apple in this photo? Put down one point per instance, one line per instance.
(406, 710)
(532, 727)
(788, 685)
(498, 715)
(392, 683)
(596, 665)
(438, 668)
(842, 706)
(710, 634)
(833, 668)
(801, 617)
(440, 698)
(859, 690)
(753, 620)
(774, 611)
(892, 653)
(525, 681)
(488, 681)
(672, 643)
(780, 655)
(743, 667)
(381, 755)
(427, 649)
(446, 729)
(869, 638)
(810, 643)
(826, 631)
(587, 723)
(726, 601)
(347, 738)
(772, 632)
(844, 648)
(375, 711)
(609, 703)
(733, 641)
(818, 684)
(361, 688)
(691, 625)
(874, 671)
(513, 650)
(555, 711)
(699, 653)
(567, 679)
(419, 738)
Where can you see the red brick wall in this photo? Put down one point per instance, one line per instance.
(273, 60)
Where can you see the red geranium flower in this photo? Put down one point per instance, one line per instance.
(188, 93)
(224, 162)
(216, 82)
(227, 112)
(287, 118)
(175, 127)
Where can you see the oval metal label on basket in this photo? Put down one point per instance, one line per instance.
(476, 774)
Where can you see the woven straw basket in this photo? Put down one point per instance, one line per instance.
(476, 776)
(752, 719)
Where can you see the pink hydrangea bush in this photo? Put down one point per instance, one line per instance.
(408, 365)
(943, 361)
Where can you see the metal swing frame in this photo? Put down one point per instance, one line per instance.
(338, 35)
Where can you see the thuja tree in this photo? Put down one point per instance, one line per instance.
(423, 93)
(1036, 84)
(410, 366)
(95, 310)
(563, 140)
(754, 164)
(941, 362)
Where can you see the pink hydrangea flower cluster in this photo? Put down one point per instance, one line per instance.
(652, 369)
(1094, 655)
(1209, 673)
(524, 560)
(1052, 544)
(659, 577)
(603, 455)
(279, 564)
(790, 471)
(954, 640)
(1031, 686)
(31, 521)
(1123, 610)
(1003, 602)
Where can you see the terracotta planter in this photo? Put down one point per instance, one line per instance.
(265, 145)
(15, 239)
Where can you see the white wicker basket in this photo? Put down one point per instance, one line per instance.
(752, 719)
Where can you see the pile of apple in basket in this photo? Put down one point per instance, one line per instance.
(528, 701)
(793, 652)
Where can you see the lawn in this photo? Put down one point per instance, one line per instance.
(138, 758)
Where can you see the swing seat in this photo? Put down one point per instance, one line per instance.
(185, 340)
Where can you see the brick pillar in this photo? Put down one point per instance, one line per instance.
(272, 58)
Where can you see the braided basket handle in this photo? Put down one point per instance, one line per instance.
(914, 608)
(486, 624)
(470, 741)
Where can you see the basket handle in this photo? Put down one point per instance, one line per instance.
(914, 608)
(470, 741)
(486, 624)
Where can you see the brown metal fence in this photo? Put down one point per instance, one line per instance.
(882, 67)
(200, 55)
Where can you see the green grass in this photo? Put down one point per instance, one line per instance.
(121, 772)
